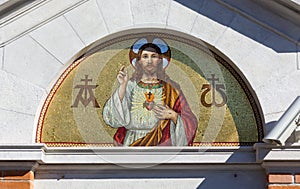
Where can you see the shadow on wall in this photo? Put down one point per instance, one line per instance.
(176, 178)
(234, 180)
(269, 126)
(221, 14)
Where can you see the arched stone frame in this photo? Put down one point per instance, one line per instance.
(247, 40)
(271, 112)
(229, 65)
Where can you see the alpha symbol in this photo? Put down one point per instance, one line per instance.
(86, 94)
(214, 87)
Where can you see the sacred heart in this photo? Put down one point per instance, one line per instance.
(149, 104)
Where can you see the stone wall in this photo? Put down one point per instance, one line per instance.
(40, 40)
(38, 44)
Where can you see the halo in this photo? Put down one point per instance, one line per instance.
(160, 43)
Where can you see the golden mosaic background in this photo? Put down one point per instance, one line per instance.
(190, 67)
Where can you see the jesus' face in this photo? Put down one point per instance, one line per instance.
(150, 61)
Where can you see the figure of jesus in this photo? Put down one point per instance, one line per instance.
(149, 109)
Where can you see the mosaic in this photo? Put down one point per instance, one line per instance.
(149, 90)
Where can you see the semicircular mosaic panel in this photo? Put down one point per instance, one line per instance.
(150, 89)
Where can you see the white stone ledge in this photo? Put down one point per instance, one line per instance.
(117, 155)
(275, 153)
(130, 163)
(138, 159)
(144, 162)
(279, 159)
(166, 183)
(21, 152)
(203, 180)
(283, 155)
(22, 146)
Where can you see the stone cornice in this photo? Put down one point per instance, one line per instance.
(281, 159)
(271, 17)
(144, 155)
(19, 19)
(42, 155)
(289, 9)
(12, 8)
(91, 160)
(27, 18)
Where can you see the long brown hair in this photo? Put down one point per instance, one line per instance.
(161, 74)
(137, 75)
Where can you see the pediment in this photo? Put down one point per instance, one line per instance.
(19, 11)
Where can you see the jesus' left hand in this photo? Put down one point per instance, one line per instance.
(165, 112)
